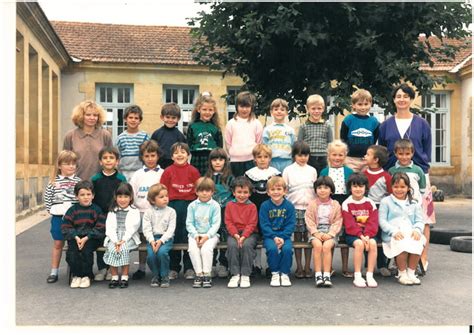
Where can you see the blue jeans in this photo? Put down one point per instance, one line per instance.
(159, 263)
(279, 260)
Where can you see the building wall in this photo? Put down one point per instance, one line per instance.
(37, 118)
(466, 135)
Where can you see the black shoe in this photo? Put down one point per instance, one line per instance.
(327, 282)
(123, 283)
(268, 273)
(52, 279)
(139, 274)
(319, 281)
(198, 282)
(113, 283)
(207, 282)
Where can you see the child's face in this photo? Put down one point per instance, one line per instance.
(85, 196)
(133, 121)
(262, 160)
(180, 156)
(336, 157)
(371, 161)
(400, 189)
(204, 195)
(161, 199)
(357, 191)
(150, 158)
(67, 169)
(323, 192)
(315, 111)
(217, 164)
(362, 107)
(301, 160)
(91, 116)
(244, 111)
(123, 200)
(404, 156)
(279, 114)
(206, 111)
(170, 121)
(277, 193)
(241, 194)
(109, 162)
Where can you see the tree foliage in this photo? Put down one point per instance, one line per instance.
(291, 50)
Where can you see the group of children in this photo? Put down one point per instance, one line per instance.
(264, 187)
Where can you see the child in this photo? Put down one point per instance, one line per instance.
(279, 136)
(159, 224)
(379, 187)
(316, 132)
(83, 227)
(121, 231)
(359, 130)
(242, 133)
(220, 173)
(58, 197)
(204, 133)
(401, 221)
(339, 173)
(202, 223)
(180, 179)
(300, 178)
(129, 141)
(241, 218)
(323, 221)
(168, 134)
(361, 224)
(277, 222)
(141, 182)
(105, 183)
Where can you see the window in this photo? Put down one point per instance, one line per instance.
(230, 101)
(439, 122)
(184, 96)
(114, 99)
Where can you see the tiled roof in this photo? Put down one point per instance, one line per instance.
(118, 43)
(459, 58)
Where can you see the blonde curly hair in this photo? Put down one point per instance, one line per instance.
(79, 111)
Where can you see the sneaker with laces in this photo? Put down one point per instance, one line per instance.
(155, 281)
(285, 280)
(139, 274)
(198, 282)
(371, 282)
(234, 281)
(165, 282)
(189, 274)
(319, 281)
(100, 276)
(414, 279)
(404, 279)
(207, 282)
(85, 282)
(327, 281)
(385, 272)
(76, 281)
(173, 275)
(275, 282)
(244, 282)
(359, 282)
(222, 271)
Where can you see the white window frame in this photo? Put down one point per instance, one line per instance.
(231, 110)
(113, 108)
(186, 109)
(443, 111)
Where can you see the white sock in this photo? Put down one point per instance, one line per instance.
(115, 277)
(124, 277)
(318, 274)
(401, 273)
(410, 272)
(55, 271)
(142, 267)
(357, 274)
(327, 274)
(369, 275)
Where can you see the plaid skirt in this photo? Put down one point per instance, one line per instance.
(200, 160)
(121, 258)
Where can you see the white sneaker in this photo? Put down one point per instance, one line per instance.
(359, 282)
(85, 282)
(414, 279)
(173, 275)
(234, 282)
(275, 282)
(108, 276)
(285, 280)
(100, 276)
(244, 282)
(189, 274)
(76, 282)
(404, 279)
(222, 271)
(371, 282)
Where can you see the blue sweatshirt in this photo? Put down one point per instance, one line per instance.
(277, 220)
(204, 218)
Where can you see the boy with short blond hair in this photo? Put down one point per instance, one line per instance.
(279, 136)
(316, 132)
(359, 129)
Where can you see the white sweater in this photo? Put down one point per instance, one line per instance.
(132, 224)
(300, 180)
(159, 221)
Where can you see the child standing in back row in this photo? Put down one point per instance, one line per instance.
(58, 197)
(242, 133)
(279, 136)
(204, 133)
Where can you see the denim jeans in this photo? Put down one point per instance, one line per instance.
(159, 262)
(279, 260)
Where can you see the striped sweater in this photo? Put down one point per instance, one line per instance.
(59, 195)
(129, 148)
(83, 221)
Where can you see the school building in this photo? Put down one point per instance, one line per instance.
(59, 64)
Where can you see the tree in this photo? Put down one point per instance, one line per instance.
(292, 50)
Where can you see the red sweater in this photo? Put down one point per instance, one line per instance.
(241, 218)
(354, 213)
(180, 181)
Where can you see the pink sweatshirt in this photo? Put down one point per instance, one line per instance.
(240, 138)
